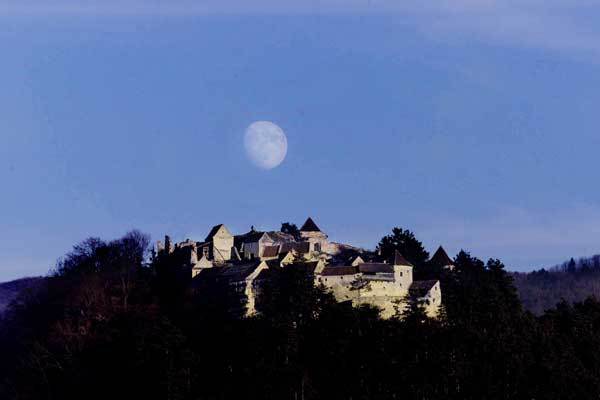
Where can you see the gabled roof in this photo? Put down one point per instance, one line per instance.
(308, 267)
(300, 247)
(281, 237)
(270, 251)
(399, 259)
(213, 232)
(283, 254)
(272, 266)
(375, 268)
(356, 261)
(238, 273)
(441, 258)
(310, 226)
(336, 271)
(421, 288)
(250, 237)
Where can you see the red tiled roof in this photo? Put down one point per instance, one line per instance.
(333, 271)
(300, 247)
(270, 251)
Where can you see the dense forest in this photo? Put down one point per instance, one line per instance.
(113, 322)
(572, 281)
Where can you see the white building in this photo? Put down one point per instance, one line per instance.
(244, 261)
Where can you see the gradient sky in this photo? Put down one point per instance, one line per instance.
(474, 124)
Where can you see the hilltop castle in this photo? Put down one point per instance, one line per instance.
(351, 274)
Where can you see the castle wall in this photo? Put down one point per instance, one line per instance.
(403, 274)
(317, 240)
(339, 285)
(432, 301)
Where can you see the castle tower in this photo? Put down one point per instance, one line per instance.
(441, 259)
(403, 269)
(311, 233)
(221, 243)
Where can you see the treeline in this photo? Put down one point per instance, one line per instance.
(110, 325)
(572, 281)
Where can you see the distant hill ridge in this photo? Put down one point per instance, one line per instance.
(10, 290)
(573, 281)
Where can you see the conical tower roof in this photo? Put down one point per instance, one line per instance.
(441, 258)
(310, 226)
(398, 259)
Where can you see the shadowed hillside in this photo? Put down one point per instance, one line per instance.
(109, 325)
(572, 281)
(10, 290)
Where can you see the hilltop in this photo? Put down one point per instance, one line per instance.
(572, 281)
(116, 320)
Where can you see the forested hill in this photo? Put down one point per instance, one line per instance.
(572, 281)
(107, 324)
(10, 290)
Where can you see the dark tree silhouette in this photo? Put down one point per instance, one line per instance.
(291, 229)
(105, 325)
(405, 242)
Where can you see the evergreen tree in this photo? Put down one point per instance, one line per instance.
(290, 229)
(405, 242)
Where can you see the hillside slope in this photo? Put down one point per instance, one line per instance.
(10, 290)
(572, 281)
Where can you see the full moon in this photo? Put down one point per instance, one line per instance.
(266, 144)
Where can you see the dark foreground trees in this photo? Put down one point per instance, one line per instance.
(107, 326)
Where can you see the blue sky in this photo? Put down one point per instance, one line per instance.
(474, 124)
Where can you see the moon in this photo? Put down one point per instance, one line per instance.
(266, 144)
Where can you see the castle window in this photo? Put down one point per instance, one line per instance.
(205, 251)
(318, 247)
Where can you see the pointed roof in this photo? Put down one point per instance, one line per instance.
(249, 237)
(310, 226)
(213, 232)
(399, 259)
(421, 288)
(441, 258)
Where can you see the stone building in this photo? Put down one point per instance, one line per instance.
(311, 233)
(429, 295)
(382, 284)
(350, 274)
(258, 245)
(219, 244)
